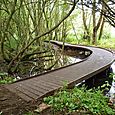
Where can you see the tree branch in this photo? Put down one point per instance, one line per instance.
(37, 37)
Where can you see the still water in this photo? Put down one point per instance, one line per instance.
(53, 57)
(49, 60)
(57, 60)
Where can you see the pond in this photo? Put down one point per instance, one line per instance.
(51, 59)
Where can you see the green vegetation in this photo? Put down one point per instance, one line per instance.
(108, 43)
(49, 20)
(80, 99)
(30, 113)
(23, 49)
(0, 112)
(26, 24)
(5, 78)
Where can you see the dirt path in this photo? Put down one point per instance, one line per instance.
(11, 104)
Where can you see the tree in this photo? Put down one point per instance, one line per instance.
(86, 32)
(24, 27)
(106, 12)
(109, 9)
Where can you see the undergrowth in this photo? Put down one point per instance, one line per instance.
(80, 99)
(104, 43)
(5, 78)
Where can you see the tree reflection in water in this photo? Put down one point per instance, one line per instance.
(51, 59)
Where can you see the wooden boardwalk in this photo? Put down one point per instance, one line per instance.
(42, 85)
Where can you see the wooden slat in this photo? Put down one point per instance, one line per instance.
(38, 87)
(20, 94)
(25, 90)
(46, 84)
(33, 89)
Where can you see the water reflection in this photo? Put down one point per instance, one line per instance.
(52, 58)
(59, 57)
(58, 60)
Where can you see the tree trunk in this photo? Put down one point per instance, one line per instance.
(103, 21)
(94, 22)
(96, 26)
(86, 32)
(101, 29)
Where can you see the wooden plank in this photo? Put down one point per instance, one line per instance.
(19, 93)
(32, 88)
(45, 84)
(38, 88)
(58, 79)
(25, 90)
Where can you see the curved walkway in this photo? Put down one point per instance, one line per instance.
(45, 84)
